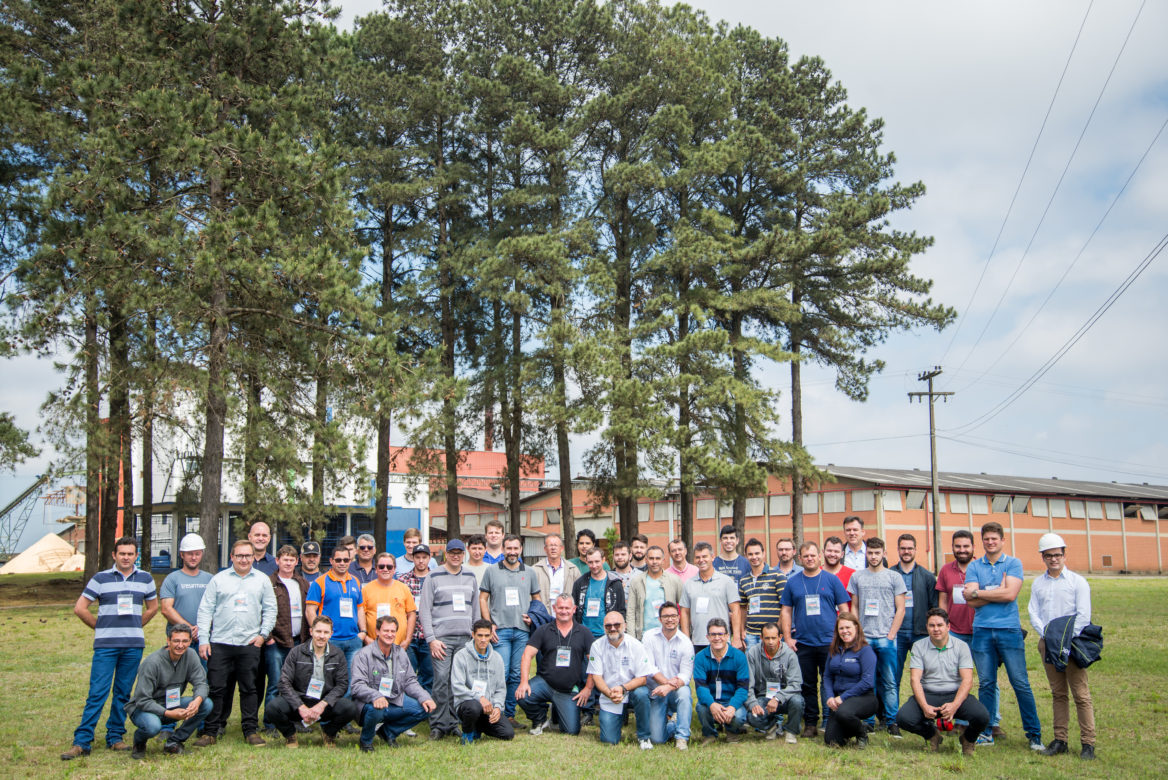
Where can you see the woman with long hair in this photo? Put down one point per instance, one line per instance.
(848, 682)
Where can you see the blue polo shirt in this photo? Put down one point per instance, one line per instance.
(326, 593)
(801, 592)
(119, 606)
(991, 575)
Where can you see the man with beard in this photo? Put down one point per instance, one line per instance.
(639, 546)
(833, 555)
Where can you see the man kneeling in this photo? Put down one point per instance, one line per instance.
(478, 681)
(385, 683)
(942, 676)
(313, 682)
(158, 699)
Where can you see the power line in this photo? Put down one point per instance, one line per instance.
(1087, 460)
(1018, 188)
(1118, 468)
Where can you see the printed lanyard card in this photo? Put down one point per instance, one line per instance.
(458, 601)
(173, 697)
(811, 601)
(125, 603)
(315, 688)
(563, 656)
(512, 597)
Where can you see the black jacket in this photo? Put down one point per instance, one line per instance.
(614, 595)
(1062, 645)
(924, 590)
(297, 672)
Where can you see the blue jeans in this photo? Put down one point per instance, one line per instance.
(423, 663)
(274, 656)
(149, 724)
(661, 707)
(117, 665)
(512, 643)
(751, 640)
(710, 726)
(535, 706)
(790, 711)
(349, 647)
(904, 643)
(991, 648)
(886, 689)
(610, 722)
(396, 720)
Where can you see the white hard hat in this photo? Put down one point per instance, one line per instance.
(191, 543)
(1050, 542)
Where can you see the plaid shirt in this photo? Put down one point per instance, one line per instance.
(414, 583)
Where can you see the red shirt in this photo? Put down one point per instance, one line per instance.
(844, 575)
(960, 615)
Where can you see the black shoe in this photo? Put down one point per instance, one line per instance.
(586, 719)
(271, 732)
(862, 742)
(365, 748)
(351, 728)
(1055, 747)
(1088, 753)
(894, 731)
(174, 748)
(139, 751)
(436, 735)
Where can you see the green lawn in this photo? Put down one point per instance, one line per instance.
(44, 668)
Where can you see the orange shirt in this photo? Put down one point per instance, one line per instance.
(394, 597)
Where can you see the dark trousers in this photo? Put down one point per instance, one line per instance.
(848, 720)
(812, 662)
(913, 720)
(334, 718)
(475, 721)
(240, 662)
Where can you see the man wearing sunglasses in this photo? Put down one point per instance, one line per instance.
(386, 596)
(337, 594)
(618, 666)
(362, 566)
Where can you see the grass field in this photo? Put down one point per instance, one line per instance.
(44, 670)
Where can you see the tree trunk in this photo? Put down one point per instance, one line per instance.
(381, 481)
(120, 422)
(563, 449)
(741, 450)
(216, 417)
(252, 452)
(515, 440)
(796, 439)
(148, 465)
(684, 423)
(93, 446)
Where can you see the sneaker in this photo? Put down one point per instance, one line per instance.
(365, 748)
(1053, 749)
(683, 744)
(1088, 753)
(646, 744)
(936, 740)
(894, 731)
(291, 743)
(74, 752)
(1037, 746)
(174, 748)
(985, 739)
(139, 751)
(411, 733)
(206, 740)
(469, 738)
(810, 732)
(773, 732)
(997, 732)
(537, 729)
(255, 740)
(120, 745)
(790, 738)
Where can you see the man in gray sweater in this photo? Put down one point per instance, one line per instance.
(447, 608)
(775, 682)
(158, 699)
(386, 688)
(478, 680)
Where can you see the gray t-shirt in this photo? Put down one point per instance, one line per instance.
(706, 601)
(940, 668)
(187, 592)
(874, 599)
(510, 593)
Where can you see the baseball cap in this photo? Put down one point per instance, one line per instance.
(310, 548)
(421, 548)
(455, 544)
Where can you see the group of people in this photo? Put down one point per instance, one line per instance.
(377, 649)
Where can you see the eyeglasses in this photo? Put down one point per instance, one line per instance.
(1053, 555)
(613, 626)
(669, 616)
(366, 547)
(717, 635)
(385, 566)
(242, 556)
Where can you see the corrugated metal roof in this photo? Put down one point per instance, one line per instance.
(997, 483)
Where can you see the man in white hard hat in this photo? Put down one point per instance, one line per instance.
(1059, 592)
(182, 590)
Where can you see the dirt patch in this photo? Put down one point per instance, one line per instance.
(27, 590)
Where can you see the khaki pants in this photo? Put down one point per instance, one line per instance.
(1076, 679)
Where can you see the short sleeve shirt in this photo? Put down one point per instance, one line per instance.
(119, 606)
(706, 600)
(823, 593)
(874, 599)
(509, 593)
(950, 580)
(560, 660)
(187, 592)
(989, 576)
(618, 665)
(940, 667)
(328, 594)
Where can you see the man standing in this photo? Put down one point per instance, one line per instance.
(182, 590)
(158, 697)
(448, 607)
(856, 553)
(759, 592)
(639, 546)
(622, 565)
(992, 584)
(313, 683)
(722, 679)
(597, 594)
(585, 541)
(775, 684)
(412, 539)
(678, 564)
(833, 556)
(649, 591)
(362, 567)
(386, 596)
(337, 595)
(126, 600)
(560, 650)
(291, 626)
(729, 562)
(236, 617)
(1060, 593)
(942, 676)
(505, 595)
(414, 577)
(309, 567)
(709, 595)
(385, 687)
(919, 597)
(260, 536)
(476, 548)
(810, 602)
(785, 552)
(672, 654)
(494, 536)
(879, 596)
(477, 684)
(618, 666)
(556, 575)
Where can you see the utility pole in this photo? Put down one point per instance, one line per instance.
(927, 376)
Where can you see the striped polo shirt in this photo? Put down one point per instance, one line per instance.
(119, 606)
(760, 599)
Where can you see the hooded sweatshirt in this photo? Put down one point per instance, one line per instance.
(473, 675)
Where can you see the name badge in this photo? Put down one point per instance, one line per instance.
(755, 605)
(908, 600)
(593, 608)
(479, 687)
(241, 603)
(563, 656)
(458, 602)
(871, 608)
(173, 696)
(703, 604)
(811, 603)
(294, 609)
(958, 594)
(657, 604)
(555, 592)
(718, 688)
(346, 606)
(773, 689)
(385, 688)
(383, 610)
(626, 662)
(511, 597)
(125, 603)
(315, 688)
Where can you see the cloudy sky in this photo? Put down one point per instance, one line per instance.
(1028, 260)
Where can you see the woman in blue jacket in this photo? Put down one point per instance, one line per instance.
(848, 683)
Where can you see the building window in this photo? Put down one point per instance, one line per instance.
(834, 501)
(958, 503)
(1001, 504)
(1038, 507)
(706, 508)
(915, 499)
(1147, 512)
(863, 500)
(726, 509)
(1020, 503)
(525, 519)
(552, 516)
(810, 503)
(978, 504)
(1107, 561)
(643, 512)
(780, 505)
(756, 507)
(1058, 507)
(1078, 511)
(664, 511)
(891, 500)
(1113, 510)
(1095, 510)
